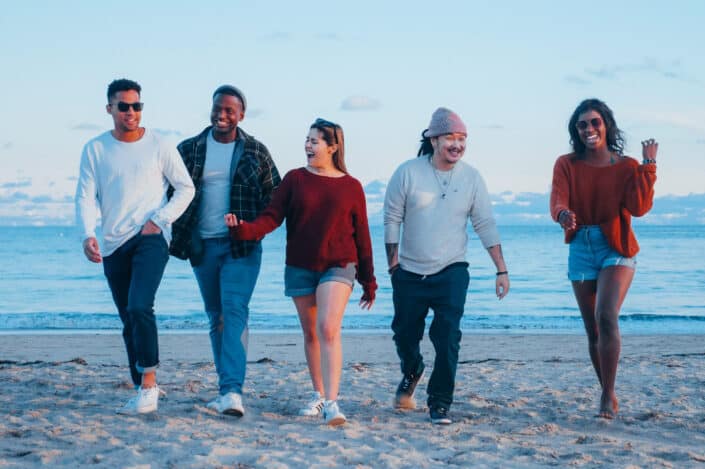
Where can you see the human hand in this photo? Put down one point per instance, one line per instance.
(649, 148)
(231, 220)
(367, 300)
(502, 286)
(91, 250)
(567, 220)
(150, 228)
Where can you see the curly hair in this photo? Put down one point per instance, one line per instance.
(122, 84)
(615, 137)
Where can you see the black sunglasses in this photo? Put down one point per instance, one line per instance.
(595, 122)
(324, 123)
(124, 107)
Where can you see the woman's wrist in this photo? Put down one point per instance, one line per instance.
(393, 268)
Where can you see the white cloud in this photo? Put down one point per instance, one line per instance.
(360, 103)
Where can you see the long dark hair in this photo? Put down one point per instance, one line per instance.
(615, 137)
(426, 147)
(332, 133)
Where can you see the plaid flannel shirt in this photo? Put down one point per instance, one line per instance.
(254, 180)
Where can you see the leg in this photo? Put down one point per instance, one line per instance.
(331, 298)
(410, 311)
(149, 260)
(612, 286)
(445, 334)
(306, 308)
(238, 278)
(118, 270)
(208, 277)
(585, 293)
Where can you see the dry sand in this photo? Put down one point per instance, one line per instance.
(520, 401)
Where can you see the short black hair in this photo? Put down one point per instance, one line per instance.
(122, 84)
(231, 91)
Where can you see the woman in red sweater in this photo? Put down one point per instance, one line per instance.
(327, 247)
(596, 190)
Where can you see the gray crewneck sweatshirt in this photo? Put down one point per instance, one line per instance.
(431, 230)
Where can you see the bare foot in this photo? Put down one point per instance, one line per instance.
(609, 406)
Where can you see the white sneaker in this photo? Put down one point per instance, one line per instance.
(231, 404)
(214, 404)
(332, 414)
(146, 401)
(314, 406)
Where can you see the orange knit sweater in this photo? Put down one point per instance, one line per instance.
(606, 196)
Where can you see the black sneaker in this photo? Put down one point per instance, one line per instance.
(404, 398)
(439, 416)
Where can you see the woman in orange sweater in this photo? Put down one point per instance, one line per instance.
(596, 190)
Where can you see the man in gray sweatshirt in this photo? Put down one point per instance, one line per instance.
(427, 205)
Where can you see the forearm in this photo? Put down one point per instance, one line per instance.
(497, 257)
(392, 255)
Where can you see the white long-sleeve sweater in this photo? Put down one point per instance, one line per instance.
(431, 230)
(126, 183)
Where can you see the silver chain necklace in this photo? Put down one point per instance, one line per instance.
(442, 185)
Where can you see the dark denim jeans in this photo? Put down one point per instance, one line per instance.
(134, 271)
(414, 295)
(226, 286)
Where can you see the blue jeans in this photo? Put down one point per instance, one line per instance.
(226, 286)
(134, 272)
(413, 296)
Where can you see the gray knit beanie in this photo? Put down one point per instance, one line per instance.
(232, 91)
(444, 121)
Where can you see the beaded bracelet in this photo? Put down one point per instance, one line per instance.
(648, 161)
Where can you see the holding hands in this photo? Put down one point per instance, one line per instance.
(649, 148)
(231, 220)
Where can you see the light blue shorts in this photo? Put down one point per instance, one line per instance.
(589, 253)
(301, 282)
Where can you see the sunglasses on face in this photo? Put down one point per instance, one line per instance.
(324, 123)
(595, 122)
(124, 107)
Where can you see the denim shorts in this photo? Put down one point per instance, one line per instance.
(301, 282)
(590, 252)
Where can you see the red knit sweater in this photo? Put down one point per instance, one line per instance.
(607, 196)
(326, 224)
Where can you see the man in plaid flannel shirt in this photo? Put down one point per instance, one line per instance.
(233, 173)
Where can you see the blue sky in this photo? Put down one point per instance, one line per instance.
(513, 70)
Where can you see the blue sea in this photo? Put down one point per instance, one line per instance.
(47, 285)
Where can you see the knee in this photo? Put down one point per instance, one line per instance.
(608, 323)
(328, 333)
(140, 312)
(216, 321)
(310, 336)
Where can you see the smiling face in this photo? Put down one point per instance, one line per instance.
(591, 130)
(318, 152)
(125, 121)
(448, 149)
(226, 114)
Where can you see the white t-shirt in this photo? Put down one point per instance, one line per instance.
(126, 184)
(215, 195)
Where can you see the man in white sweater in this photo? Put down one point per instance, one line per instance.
(124, 176)
(427, 206)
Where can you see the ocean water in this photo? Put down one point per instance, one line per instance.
(47, 285)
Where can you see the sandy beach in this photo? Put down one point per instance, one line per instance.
(520, 401)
